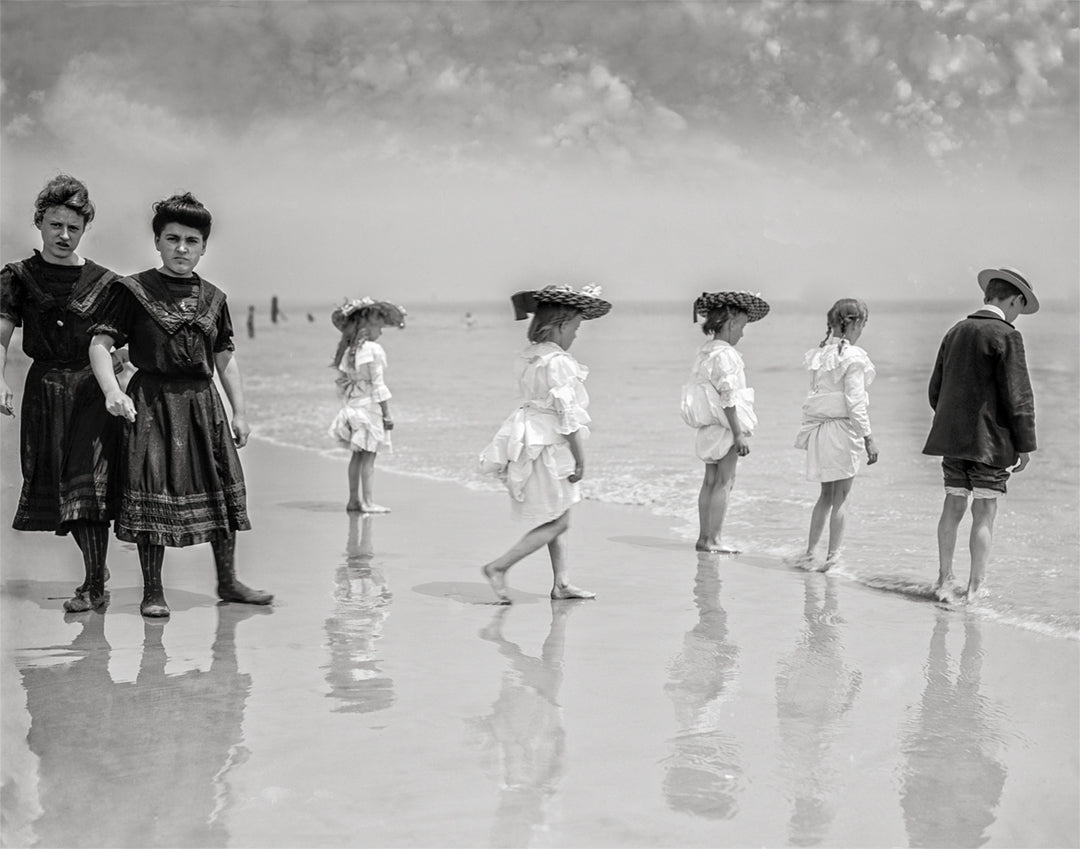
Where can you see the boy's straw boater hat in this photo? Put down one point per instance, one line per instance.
(1014, 278)
(391, 315)
(588, 300)
(753, 305)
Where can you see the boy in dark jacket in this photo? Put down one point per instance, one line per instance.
(984, 419)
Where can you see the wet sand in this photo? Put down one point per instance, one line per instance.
(385, 700)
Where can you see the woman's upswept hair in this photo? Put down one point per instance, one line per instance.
(64, 190)
(182, 209)
(548, 318)
(718, 317)
(842, 315)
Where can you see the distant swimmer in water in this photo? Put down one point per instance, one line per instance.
(984, 419)
(538, 451)
(363, 424)
(469, 321)
(836, 423)
(718, 403)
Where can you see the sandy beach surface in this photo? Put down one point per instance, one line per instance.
(384, 700)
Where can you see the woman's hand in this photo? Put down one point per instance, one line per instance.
(7, 399)
(579, 472)
(742, 445)
(387, 423)
(241, 429)
(871, 450)
(119, 404)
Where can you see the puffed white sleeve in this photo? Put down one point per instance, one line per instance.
(567, 393)
(380, 392)
(724, 369)
(857, 377)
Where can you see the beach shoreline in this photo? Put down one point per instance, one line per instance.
(385, 700)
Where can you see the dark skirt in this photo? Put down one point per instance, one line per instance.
(69, 446)
(181, 482)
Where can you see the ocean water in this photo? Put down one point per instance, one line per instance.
(453, 385)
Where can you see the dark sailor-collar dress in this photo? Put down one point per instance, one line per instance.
(68, 440)
(180, 477)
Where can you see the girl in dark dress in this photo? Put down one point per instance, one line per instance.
(68, 441)
(180, 478)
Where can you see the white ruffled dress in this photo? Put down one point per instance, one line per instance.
(358, 426)
(835, 416)
(530, 453)
(717, 380)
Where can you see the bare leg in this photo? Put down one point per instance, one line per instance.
(952, 511)
(495, 571)
(839, 492)
(713, 501)
(818, 517)
(561, 588)
(983, 512)
(367, 484)
(354, 483)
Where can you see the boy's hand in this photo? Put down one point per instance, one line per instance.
(241, 430)
(1022, 462)
(7, 400)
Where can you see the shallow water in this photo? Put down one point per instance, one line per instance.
(453, 386)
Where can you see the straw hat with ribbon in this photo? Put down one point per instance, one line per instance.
(390, 315)
(752, 304)
(1014, 278)
(588, 300)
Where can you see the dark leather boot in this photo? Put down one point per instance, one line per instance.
(228, 587)
(153, 603)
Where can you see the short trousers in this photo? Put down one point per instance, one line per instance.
(970, 477)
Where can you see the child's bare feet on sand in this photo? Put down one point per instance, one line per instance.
(354, 507)
(950, 592)
(497, 579)
(567, 591)
(373, 508)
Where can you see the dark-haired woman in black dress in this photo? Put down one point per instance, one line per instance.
(180, 477)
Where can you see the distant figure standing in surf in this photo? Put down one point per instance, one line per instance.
(717, 402)
(363, 423)
(984, 419)
(836, 422)
(538, 452)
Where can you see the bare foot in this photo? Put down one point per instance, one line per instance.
(805, 561)
(497, 579)
(569, 591)
(373, 508)
(353, 507)
(949, 592)
(832, 560)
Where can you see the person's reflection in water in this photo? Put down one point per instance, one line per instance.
(362, 607)
(703, 775)
(526, 727)
(952, 780)
(814, 691)
(140, 763)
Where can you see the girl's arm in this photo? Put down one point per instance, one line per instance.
(7, 397)
(578, 452)
(229, 369)
(388, 422)
(101, 363)
(858, 403)
(742, 444)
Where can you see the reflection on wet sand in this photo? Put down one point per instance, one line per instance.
(362, 598)
(526, 729)
(703, 775)
(814, 691)
(140, 763)
(952, 779)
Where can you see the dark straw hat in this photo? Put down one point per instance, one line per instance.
(753, 305)
(1014, 278)
(391, 315)
(588, 300)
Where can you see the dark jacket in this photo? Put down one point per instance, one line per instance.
(984, 409)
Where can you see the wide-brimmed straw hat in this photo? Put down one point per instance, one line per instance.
(588, 300)
(390, 315)
(1015, 278)
(753, 305)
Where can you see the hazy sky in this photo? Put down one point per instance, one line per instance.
(464, 150)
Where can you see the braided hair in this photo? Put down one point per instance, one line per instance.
(843, 314)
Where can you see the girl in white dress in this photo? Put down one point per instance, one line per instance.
(720, 405)
(836, 422)
(363, 424)
(538, 451)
